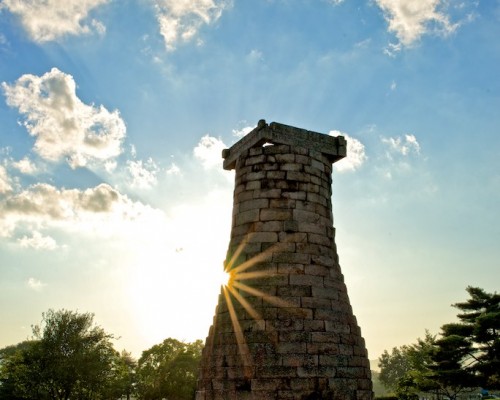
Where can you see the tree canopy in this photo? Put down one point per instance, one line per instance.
(68, 357)
(465, 355)
(169, 370)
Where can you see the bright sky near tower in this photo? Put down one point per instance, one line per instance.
(113, 115)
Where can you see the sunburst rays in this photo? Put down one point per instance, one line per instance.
(236, 290)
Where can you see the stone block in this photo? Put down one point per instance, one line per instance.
(325, 337)
(302, 337)
(317, 229)
(295, 312)
(305, 372)
(316, 303)
(310, 187)
(276, 175)
(288, 302)
(303, 217)
(275, 214)
(292, 167)
(290, 226)
(287, 185)
(282, 203)
(299, 360)
(317, 270)
(276, 149)
(245, 195)
(306, 280)
(255, 151)
(247, 216)
(294, 195)
(269, 226)
(285, 158)
(298, 176)
(314, 171)
(318, 238)
(323, 348)
(267, 193)
(294, 237)
(253, 204)
(324, 293)
(341, 328)
(285, 325)
(295, 290)
(303, 159)
(252, 185)
(270, 237)
(322, 265)
(291, 348)
(269, 384)
(266, 184)
(315, 198)
(293, 258)
(275, 371)
(318, 164)
(287, 268)
(257, 159)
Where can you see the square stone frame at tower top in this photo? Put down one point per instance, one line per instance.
(284, 328)
(334, 147)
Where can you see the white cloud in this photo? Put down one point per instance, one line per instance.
(25, 166)
(143, 174)
(38, 242)
(180, 20)
(62, 124)
(173, 170)
(403, 145)
(209, 151)
(393, 85)
(46, 20)
(35, 284)
(239, 133)
(100, 210)
(255, 55)
(5, 182)
(3, 39)
(410, 20)
(356, 155)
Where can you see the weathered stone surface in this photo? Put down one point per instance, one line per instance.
(295, 335)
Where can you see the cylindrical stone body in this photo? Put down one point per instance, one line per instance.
(283, 327)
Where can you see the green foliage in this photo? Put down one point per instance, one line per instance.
(480, 326)
(465, 356)
(15, 371)
(379, 389)
(69, 357)
(124, 377)
(405, 371)
(169, 370)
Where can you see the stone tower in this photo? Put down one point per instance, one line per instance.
(284, 327)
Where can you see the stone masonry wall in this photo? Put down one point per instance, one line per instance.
(283, 327)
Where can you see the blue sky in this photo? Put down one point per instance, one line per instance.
(113, 114)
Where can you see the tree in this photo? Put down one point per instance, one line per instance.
(169, 370)
(478, 334)
(405, 370)
(450, 374)
(16, 373)
(465, 356)
(69, 357)
(124, 381)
